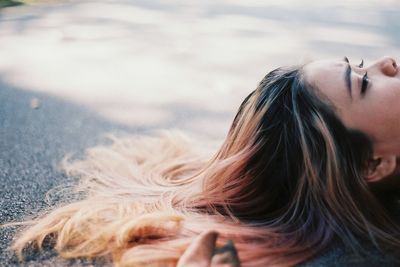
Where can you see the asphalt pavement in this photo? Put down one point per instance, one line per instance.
(36, 132)
(140, 65)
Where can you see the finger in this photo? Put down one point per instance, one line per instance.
(200, 252)
(226, 256)
(224, 259)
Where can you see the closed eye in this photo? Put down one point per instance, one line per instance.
(364, 84)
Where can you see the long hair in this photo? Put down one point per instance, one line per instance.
(286, 182)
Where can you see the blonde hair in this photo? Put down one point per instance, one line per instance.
(287, 180)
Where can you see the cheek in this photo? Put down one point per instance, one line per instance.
(385, 106)
(378, 113)
(381, 122)
(368, 118)
(385, 93)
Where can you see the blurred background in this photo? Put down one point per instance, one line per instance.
(179, 63)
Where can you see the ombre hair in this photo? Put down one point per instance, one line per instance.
(288, 180)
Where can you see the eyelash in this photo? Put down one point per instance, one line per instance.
(365, 79)
(364, 83)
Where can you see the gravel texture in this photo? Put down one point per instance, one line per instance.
(34, 139)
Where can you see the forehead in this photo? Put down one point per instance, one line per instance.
(327, 78)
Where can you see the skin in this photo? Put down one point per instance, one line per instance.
(376, 113)
(201, 253)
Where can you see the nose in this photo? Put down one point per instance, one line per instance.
(385, 65)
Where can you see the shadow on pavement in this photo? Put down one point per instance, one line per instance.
(36, 132)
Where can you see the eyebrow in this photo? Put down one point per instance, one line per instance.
(347, 76)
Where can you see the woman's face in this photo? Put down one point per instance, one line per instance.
(366, 98)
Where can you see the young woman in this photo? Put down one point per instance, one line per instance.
(298, 169)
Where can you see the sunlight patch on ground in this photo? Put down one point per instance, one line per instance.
(109, 55)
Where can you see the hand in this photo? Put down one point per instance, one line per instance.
(202, 253)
